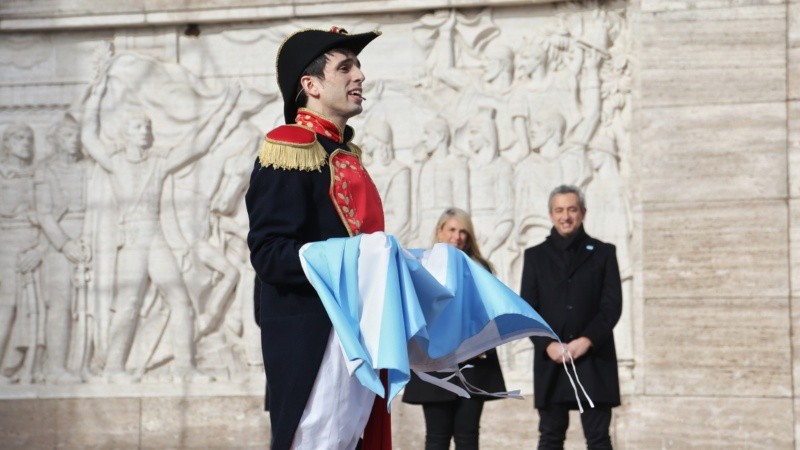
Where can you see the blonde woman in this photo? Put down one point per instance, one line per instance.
(448, 416)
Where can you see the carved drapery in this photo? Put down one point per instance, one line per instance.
(486, 111)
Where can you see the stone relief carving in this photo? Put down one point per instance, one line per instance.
(138, 173)
(21, 304)
(553, 113)
(491, 192)
(61, 182)
(25, 51)
(124, 255)
(443, 179)
(391, 177)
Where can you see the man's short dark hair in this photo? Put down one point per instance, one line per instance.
(315, 69)
(567, 189)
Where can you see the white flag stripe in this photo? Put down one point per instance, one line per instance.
(372, 289)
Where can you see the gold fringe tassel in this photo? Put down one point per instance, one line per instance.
(292, 157)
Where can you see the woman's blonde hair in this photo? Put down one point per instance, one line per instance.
(471, 247)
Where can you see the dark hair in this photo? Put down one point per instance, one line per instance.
(567, 189)
(315, 68)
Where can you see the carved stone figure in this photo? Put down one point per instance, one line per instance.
(21, 308)
(436, 33)
(391, 177)
(194, 189)
(464, 63)
(61, 206)
(491, 191)
(543, 88)
(443, 178)
(610, 219)
(555, 158)
(231, 228)
(479, 79)
(203, 196)
(137, 175)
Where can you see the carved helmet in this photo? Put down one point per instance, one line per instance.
(303, 47)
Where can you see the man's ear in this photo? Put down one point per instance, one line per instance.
(310, 85)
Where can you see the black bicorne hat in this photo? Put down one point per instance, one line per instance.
(303, 47)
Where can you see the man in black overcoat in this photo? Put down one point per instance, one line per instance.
(572, 280)
(308, 185)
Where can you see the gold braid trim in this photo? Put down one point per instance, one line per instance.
(287, 156)
(354, 148)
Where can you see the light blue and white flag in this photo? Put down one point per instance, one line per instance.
(399, 309)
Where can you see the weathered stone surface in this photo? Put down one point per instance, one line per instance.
(713, 249)
(681, 5)
(28, 424)
(722, 152)
(717, 347)
(793, 49)
(652, 422)
(711, 56)
(47, 15)
(96, 423)
(793, 124)
(210, 422)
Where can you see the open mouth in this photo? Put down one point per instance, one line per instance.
(357, 94)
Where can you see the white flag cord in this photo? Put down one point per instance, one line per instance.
(446, 384)
(564, 353)
(468, 388)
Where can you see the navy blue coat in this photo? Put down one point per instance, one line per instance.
(289, 208)
(584, 299)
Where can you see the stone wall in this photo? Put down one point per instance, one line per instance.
(712, 128)
(680, 118)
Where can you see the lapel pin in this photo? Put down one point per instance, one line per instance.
(590, 247)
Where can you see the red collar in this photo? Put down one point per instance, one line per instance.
(310, 119)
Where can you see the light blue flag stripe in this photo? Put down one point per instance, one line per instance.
(424, 325)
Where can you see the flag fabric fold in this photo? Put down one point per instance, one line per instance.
(403, 310)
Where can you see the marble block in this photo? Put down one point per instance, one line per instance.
(793, 49)
(97, 423)
(717, 347)
(28, 424)
(793, 150)
(717, 151)
(715, 55)
(712, 249)
(211, 422)
(653, 422)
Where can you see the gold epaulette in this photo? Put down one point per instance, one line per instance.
(292, 147)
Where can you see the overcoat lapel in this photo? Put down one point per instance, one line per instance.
(555, 257)
(585, 250)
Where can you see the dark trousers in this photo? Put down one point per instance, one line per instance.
(554, 420)
(458, 419)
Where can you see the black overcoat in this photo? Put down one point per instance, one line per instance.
(584, 299)
(289, 208)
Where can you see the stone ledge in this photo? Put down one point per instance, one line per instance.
(254, 387)
(38, 21)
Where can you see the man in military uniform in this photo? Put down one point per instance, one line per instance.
(308, 185)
